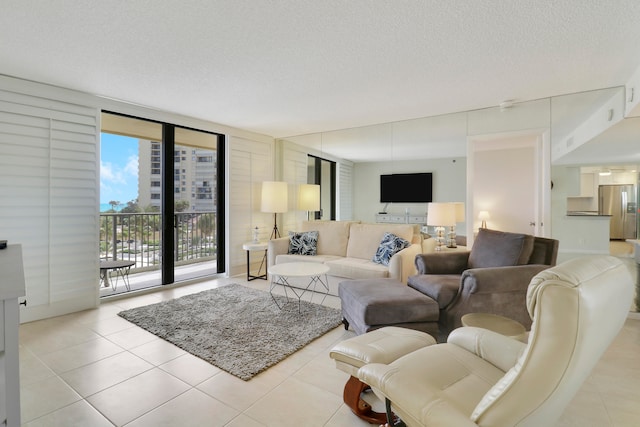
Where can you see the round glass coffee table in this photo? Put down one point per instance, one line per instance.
(282, 274)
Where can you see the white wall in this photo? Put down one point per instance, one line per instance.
(449, 185)
(61, 266)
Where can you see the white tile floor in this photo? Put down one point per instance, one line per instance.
(95, 369)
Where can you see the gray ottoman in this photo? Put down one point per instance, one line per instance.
(369, 304)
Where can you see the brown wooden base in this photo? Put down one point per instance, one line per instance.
(352, 398)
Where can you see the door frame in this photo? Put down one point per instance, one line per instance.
(541, 142)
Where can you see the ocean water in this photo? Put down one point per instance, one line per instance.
(107, 207)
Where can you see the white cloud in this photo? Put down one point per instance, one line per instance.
(131, 167)
(110, 173)
(119, 182)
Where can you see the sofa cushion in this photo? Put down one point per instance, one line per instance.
(282, 258)
(333, 236)
(364, 239)
(304, 243)
(443, 288)
(356, 268)
(493, 248)
(389, 246)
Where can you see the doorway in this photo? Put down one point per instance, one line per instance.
(167, 222)
(323, 172)
(509, 177)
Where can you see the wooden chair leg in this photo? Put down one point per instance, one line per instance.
(352, 398)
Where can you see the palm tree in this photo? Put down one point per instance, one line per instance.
(207, 224)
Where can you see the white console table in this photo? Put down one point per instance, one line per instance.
(11, 288)
(401, 219)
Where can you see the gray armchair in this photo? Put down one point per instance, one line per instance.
(491, 278)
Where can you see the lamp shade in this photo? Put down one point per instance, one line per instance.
(309, 197)
(274, 197)
(441, 214)
(483, 215)
(459, 206)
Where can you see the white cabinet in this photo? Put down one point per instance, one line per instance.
(401, 219)
(587, 185)
(11, 288)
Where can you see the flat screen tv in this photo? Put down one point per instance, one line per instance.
(406, 188)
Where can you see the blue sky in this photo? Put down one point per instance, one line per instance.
(118, 168)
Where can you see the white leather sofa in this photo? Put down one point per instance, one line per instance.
(348, 248)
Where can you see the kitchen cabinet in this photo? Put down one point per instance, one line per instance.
(11, 288)
(588, 185)
(587, 199)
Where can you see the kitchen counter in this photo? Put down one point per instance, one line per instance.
(587, 214)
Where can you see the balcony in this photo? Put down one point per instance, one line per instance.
(137, 237)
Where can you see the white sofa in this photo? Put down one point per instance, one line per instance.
(348, 248)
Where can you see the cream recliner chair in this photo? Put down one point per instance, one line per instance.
(480, 378)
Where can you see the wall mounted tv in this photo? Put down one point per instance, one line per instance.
(406, 188)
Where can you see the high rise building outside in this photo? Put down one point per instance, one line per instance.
(195, 173)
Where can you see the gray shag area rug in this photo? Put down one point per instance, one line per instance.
(238, 329)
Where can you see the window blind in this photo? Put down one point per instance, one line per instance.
(49, 196)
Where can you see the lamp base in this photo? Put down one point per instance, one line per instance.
(439, 238)
(451, 238)
(275, 233)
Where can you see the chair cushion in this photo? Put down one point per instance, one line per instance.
(442, 288)
(435, 385)
(493, 248)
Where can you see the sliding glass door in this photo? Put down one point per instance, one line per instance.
(323, 172)
(160, 201)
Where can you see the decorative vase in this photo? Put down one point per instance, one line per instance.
(255, 235)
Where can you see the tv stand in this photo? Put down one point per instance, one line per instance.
(400, 218)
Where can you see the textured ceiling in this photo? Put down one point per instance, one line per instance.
(292, 67)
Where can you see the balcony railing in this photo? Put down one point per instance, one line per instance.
(137, 237)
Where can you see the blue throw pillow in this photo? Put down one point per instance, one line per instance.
(305, 243)
(389, 246)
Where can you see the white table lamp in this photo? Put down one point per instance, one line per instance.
(441, 215)
(309, 198)
(484, 217)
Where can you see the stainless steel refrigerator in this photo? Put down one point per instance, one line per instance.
(619, 201)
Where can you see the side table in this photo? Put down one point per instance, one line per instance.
(120, 267)
(259, 246)
(495, 323)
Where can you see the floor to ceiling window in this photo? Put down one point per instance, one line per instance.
(160, 203)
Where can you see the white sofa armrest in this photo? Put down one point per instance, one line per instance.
(402, 264)
(499, 350)
(276, 247)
